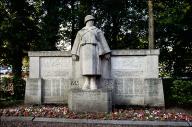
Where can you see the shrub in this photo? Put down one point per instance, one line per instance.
(167, 84)
(19, 88)
(6, 87)
(12, 88)
(182, 92)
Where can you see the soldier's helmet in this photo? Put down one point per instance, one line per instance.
(88, 18)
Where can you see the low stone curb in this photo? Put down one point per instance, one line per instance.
(10, 118)
(96, 122)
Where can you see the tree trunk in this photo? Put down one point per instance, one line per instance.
(73, 23)
(151, 25)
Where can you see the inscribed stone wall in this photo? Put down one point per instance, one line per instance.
(133, 80)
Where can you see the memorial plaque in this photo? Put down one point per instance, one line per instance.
(56, 87)
(87, 95)
(126, 73)
(90, 101)
(128, 63)
(119, 86)
(53, 87)
(33, 87)
(128, 86)
(56, 67)
(33, 91)
(56, 90)
(138, 86)
(47, 87)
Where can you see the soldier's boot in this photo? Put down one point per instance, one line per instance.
(86, 84)
(93, 85)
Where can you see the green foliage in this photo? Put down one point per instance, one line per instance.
(167, 84)
(182, 92)
(12, 88)
(18, 32)
(177, 92)
(173, 35)
(19, 88)
(5, 88)
(35, 25)
(4, 83)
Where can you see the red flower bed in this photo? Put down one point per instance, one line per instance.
(118, 114)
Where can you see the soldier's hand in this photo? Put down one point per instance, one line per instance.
(75, 57)
(107, 56)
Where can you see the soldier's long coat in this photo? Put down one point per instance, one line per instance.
(89, 45)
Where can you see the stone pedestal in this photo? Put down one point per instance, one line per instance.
(90, 101)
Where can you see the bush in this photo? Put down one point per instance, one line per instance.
(19, 88)
(12, 88)
(6, 88)
(182, 92)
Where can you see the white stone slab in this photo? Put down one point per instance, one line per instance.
(152, 69)
(34, 71)
(33, 92)
(56, 90)
(60, 67)
(90, 101)
(128, 62)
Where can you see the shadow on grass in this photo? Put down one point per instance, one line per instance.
(11, 103)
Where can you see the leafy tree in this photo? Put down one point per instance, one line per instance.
(39, 24)
(17, 32)
(173, 30)
(49, 25)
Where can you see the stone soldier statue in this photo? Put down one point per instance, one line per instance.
(89, 46)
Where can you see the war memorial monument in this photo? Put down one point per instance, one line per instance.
(91, 77)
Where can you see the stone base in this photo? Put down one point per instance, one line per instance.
(90, 101)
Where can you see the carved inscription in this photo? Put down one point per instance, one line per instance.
(47, 87)
(138, 86)
(56, 73)
(108, 83)
(33, 87)
(127, 63)
(128, 86)
(119, 86)
(55, 67)
(126, 73)
(56, 87)
(75, 83)
(87, 95)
